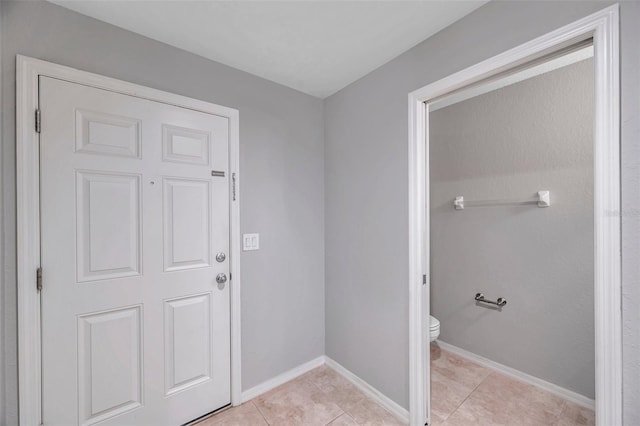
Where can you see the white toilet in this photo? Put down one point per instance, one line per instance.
(434, 328)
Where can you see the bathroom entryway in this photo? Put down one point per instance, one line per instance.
(512, 236)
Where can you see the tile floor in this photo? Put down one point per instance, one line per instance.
(320, 397)
(463, 393)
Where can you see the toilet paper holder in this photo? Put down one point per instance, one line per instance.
(500, 302)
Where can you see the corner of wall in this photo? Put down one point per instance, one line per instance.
(323, 135)
(324, 222)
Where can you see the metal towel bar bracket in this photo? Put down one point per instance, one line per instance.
(500, 302)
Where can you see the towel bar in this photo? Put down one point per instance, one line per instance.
(543, 199)
(500, 302)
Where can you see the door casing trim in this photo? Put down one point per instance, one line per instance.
(603, 27)
(28, 218)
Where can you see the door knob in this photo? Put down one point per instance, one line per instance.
(221, 278)
(220, 257)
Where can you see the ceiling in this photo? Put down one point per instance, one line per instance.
(317, 47)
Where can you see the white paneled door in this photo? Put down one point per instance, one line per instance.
(134, 237)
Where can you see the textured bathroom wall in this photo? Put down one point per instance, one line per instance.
(506, 145)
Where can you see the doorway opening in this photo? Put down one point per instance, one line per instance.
(512, 246)
(601, 29)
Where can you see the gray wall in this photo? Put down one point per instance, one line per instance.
(506, 145)
(3, 399)
(366, 188)
(281, 160)
(365, 183)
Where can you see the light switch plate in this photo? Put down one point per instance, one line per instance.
(250, 242)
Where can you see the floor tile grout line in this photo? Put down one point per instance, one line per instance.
(260, 412)
(342, 412)
(309, 381)
(492, 372)
(467, 397)
(351, 417)
(335, 403)
(489, 372)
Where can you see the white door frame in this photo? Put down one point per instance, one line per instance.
(28, 218)
(603, 27)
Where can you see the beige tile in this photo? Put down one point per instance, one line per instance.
(466, 373)
(463, 394)
(574, 415)
(477, 409)
(325, 378)
(500, 400)
(348, 397)
(298, 402)
(344, 420)
(436, 420)
(282, 388)
(466, 417)
(446, 395)
(338, 389)
(487, 398)
(321, 374)
(245, 414)
(528, 400)
(369, 413)
(436, 351)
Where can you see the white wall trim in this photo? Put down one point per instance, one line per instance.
(603, 26)
(419, 295)
(507, 80)
(235, 247)
(281, 379)
(567, 394)
(264, 387)
(390, 405)
(28, 211)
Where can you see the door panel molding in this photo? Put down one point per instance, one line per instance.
(603, 28)
(90, 215)
(28, 217)
(175, 311)
(96, 348)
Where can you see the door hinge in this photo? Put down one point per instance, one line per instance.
(424, 279)
(39, 279)
(38, 121)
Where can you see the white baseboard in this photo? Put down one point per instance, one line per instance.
(574, 397)
(281, 379)
(373, 393)
(365, 387)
